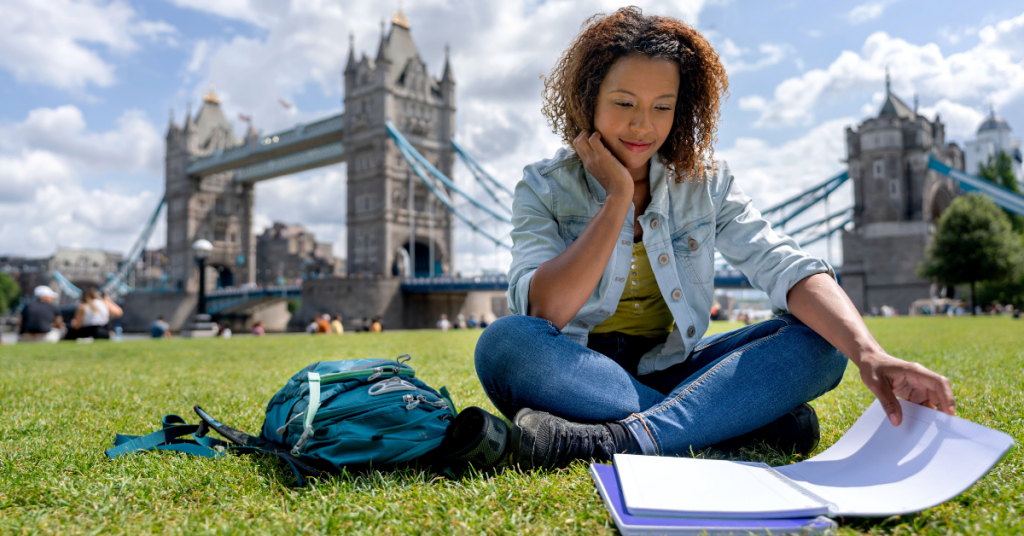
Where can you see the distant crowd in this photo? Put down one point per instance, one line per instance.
(461, 322)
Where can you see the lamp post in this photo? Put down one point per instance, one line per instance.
(201, 249)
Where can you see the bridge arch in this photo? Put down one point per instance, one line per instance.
(938, 200)
(419, 258)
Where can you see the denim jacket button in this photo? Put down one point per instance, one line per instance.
(691, 331)
(663, 258)
(692, 244)
(654, 223)
(676, 294)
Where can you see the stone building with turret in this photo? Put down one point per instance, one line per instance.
(215, 208)
(897, 202)
(385, 200)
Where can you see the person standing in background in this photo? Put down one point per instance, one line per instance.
(41, 320)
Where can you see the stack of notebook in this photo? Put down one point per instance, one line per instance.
(875, 470)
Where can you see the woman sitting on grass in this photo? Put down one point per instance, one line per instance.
(613, 269)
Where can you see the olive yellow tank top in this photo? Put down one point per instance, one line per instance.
(642, 310)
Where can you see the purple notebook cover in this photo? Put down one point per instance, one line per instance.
(605, 478)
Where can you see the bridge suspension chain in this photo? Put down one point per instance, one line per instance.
(489, 183)
(421, 168)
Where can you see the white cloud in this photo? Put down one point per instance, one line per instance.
(133, 146)
(734, 58)
(313, 198)
(865, 12)
(53, 174)
(53, 43)
(992, 71)
(258, 13)
(961, 121)
(771, 173)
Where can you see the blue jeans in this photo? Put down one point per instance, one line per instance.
(732, 383)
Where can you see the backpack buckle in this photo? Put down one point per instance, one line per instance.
(393, 383)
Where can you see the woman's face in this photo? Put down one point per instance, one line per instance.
(635, 107)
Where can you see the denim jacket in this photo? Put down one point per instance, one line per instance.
(683, 226)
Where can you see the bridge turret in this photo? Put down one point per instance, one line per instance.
(897, 201)
(396, 86)
(350, 66)
(448, 81)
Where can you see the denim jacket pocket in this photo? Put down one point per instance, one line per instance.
(571, 227)
(695, 251)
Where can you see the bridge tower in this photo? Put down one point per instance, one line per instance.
(396, 86)
(897, 202)
(212, 207)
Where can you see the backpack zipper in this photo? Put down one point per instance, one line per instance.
(369, 374)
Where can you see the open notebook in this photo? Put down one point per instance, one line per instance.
(875, 470)
(629, 525)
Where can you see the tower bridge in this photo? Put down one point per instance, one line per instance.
(396, 137)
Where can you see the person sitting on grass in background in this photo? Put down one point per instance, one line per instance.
(323, 324)
(313, 326)
(612, 275)
(160, 329)
(257, 329)
(377, 326)
(93, 315)
(336, 326)
(41, 320)
(444, 324)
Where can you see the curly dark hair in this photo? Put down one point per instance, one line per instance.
(570, 93)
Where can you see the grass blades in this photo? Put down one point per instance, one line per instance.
(62, 404)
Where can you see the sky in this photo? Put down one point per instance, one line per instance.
(87, 88)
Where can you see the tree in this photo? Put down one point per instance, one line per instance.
(973, 242)
(9, 292)
(999, 171)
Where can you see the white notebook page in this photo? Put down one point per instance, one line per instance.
(877, 469)
(707, 488)
(874, 470)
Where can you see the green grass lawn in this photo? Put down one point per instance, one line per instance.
(62, 404)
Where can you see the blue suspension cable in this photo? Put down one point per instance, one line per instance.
(403, 143)
(474, 165)
(414, 164)
(116, 282)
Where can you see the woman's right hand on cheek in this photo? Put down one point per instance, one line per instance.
(603, 165)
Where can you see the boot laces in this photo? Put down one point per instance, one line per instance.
(574, 441)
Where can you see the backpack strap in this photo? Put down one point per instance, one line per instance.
(169, 438)
(301, 467)
(175, 428)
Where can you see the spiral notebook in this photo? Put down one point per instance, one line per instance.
(874, 470)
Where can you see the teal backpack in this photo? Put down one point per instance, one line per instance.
(357, 413)
(354, 414)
